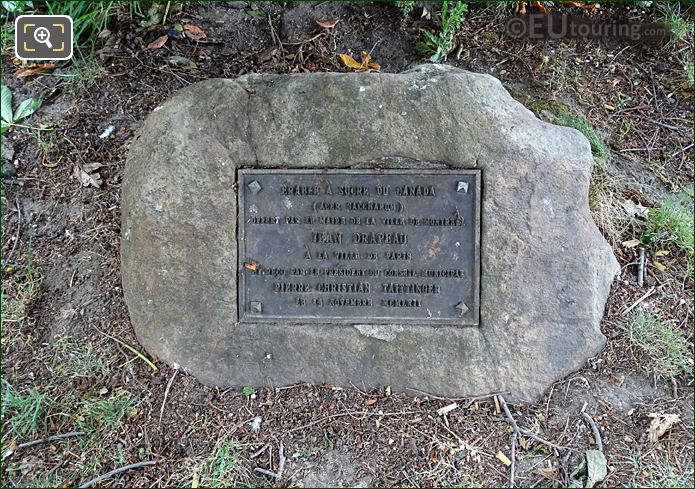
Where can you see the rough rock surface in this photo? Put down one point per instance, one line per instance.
(545, 274)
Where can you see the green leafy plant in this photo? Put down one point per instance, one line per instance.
(248, 391)
(405, 6)
(25, 109)
(438, 46)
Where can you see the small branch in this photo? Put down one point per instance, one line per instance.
(108, 475)
(515, 436)
(166, 394)
(281, 460)
(526, 432)
(266, 472)
(640, 268)
(48, 439)
(594, 430)
(16, 237)
(257, 453)
(650, 292)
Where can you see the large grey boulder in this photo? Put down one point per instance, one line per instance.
(545, 272)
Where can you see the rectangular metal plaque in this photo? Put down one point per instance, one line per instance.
(359, 246)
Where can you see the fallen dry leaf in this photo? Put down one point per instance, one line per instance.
(547, 472)
(659, 265)
(660, 424)
(193, 32)
(159, 42)
(631, 243)
(370, 401)
(503, 458)
(251, 265)
(34, 69)
(365, 66)
(85, 178)
(662, 253)
(327, 24)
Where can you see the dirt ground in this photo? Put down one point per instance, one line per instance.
(70, 358)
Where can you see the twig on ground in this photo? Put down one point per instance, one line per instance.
(166, 394)
(651, 291)
(258, 452)
(266, 472)
(350, 413)
(108, 475)
(517, 430)
(640, 268)
(512, 466)
(16, 236)
(281, 460)
(48, 439)
(594, 428)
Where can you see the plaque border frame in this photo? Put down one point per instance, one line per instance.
(245, 317)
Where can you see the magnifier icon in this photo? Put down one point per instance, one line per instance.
(43, 36)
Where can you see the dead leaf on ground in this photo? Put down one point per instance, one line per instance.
(193, 32)
(503, 458)
(660, 424)
(365, 66)
(34, 69)
(87, 174)
(547, 472)
(631, 243)
(252, 265)
(327, 24)
(370, 401)
(159, 42)
(659, 265)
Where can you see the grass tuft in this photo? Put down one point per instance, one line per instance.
(668, 353)
(103, 414)
(25, 413)
(681, 27)
(75, 361)
(672, 224)
(577, 121)
(226, 467)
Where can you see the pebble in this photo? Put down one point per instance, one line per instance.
(8, 170)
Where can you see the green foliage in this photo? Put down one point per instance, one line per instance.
(579, 122)
(17, 6)
(438, 46)
(681, 28)
(248, 391)
(25, 109)
(96, 414)
(225, 468)
(668, 353)
(672, 224)
(25, 413)
(405, 6)
(79, 361)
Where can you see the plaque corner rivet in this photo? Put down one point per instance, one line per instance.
(462, 186)
(257, 307)
(254, 187)
(461, 306)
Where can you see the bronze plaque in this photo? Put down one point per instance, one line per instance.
(359, 246)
